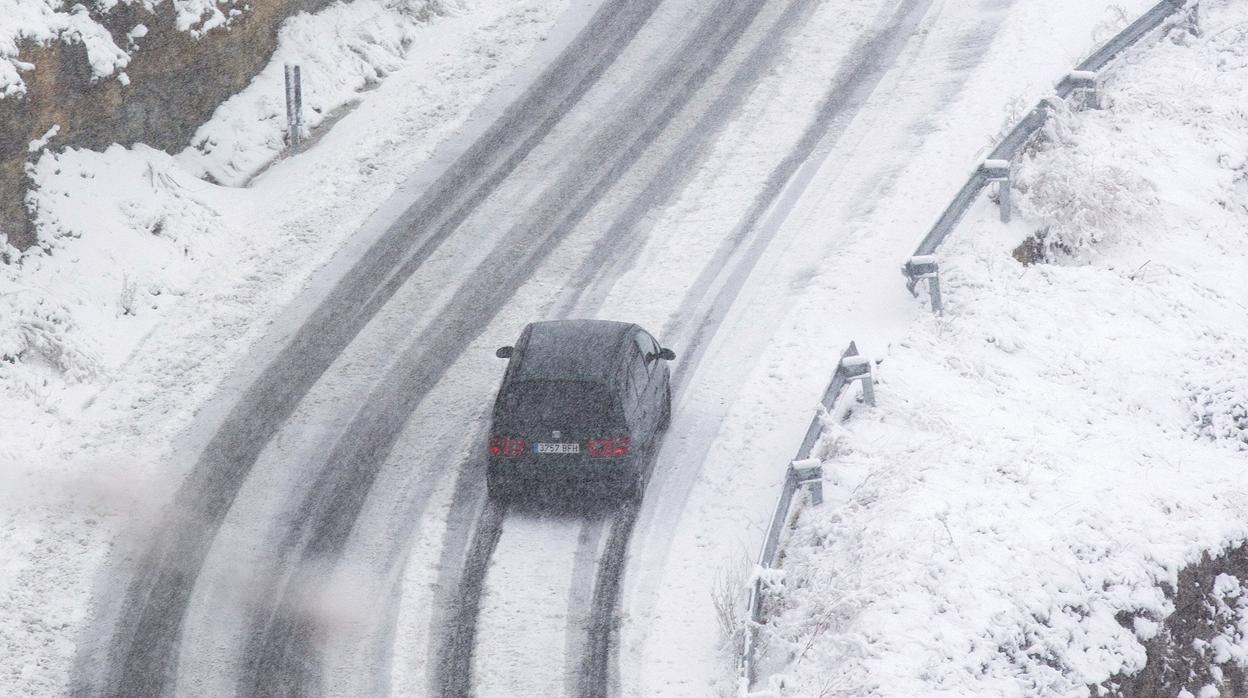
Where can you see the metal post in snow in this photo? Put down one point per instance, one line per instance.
(923, 267)
(999, 171)
(933, 291)
(1085, 87)
(858, 368)
(809, 473)
(294, 106)
(290, 105)
(299, 101)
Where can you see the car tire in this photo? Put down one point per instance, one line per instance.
(665, 420)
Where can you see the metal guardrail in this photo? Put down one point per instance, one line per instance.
(922, 264)
(851, 367)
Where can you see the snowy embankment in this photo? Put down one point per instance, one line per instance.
(148, 283)
(1048, 455)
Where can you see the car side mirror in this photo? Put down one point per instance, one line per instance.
(504, 352)
(667, 355)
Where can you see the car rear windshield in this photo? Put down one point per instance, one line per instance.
(558, 405)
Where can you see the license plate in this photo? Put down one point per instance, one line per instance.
(558, 448)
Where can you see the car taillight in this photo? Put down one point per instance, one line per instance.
(613, 447)
(506, 446)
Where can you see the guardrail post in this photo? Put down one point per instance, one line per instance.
(1085, 88)
(999, 171)
(858, 368)
(809, 474)
(920, 268)
(294, 106)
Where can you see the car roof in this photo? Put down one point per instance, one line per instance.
(584, 350)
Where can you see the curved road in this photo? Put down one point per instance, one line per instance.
(538, 217)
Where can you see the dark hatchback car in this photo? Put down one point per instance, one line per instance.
(581, 404)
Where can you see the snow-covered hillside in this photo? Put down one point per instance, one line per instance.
(1050, 453)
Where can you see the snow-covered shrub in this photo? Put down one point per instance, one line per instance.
(1080, 186)
(1220, 412)
(728, 593)
(36, 330)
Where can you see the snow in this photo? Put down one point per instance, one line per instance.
(45, 21)
(524, 608)
(347, 48)
(148, 284)
(1052, 451)
(950, 501)
(42, 141)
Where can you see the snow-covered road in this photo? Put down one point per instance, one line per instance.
(331, 536)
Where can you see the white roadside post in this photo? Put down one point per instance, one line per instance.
(858, 368)
(1085, 88)
(999, 171)
(923, 267)
(809, 474)
(294, 106)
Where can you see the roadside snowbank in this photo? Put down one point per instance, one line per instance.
(1048, 455)
(148, 284)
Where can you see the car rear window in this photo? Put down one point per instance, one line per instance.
(559, 405)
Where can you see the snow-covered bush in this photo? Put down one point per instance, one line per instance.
(809, 611)
(1220, 412)
(35, 330)
(1080, 187)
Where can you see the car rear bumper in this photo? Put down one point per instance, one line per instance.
(581, 475)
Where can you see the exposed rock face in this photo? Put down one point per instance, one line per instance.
(176, 81)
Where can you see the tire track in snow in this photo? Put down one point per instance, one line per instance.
(580, 597)
(523, 620)
(717, 286)
(454, 660)
(617, 248)
(595, 675)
